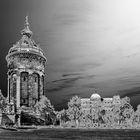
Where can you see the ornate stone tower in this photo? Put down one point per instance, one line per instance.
(26, 63)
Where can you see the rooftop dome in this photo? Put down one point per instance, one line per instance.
(95, 96)
(26, 44)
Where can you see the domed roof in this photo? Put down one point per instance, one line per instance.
(95, 96)
(26, 44)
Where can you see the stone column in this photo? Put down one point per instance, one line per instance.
(18, 91)
(18, 98)
(30, 89)
(43, 80)
(8, 96)
(40, 87)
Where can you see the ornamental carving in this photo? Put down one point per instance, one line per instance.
(16, 62)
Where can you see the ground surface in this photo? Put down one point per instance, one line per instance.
(70, 134)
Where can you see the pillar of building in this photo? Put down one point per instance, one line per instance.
(8, 90)
(18, 91)
(30, 89)
(40, 86)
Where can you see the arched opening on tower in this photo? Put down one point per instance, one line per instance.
(24, 89)
(35, 88)
(42, 79)
(12, 88)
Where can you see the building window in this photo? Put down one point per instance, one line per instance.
(26, 42)
(24, 78)
(35, 79)
(24, 101)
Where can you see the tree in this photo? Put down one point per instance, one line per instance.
(102, 114)
(109, 118)
(136, 118)
(116, 114)
(74, 109)
(62, 116)
(96, 112)
(95, 115)
(126, 111)
(45, 109)
(3, 102)
(128, 114)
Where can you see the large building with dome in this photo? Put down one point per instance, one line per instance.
(95, 101)
(26, 63)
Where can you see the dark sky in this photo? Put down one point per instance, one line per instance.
(89, 44)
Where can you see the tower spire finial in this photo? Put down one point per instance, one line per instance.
(26, 30)
(26, 21)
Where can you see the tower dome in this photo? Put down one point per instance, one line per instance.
(95, 96)
(26, 46)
